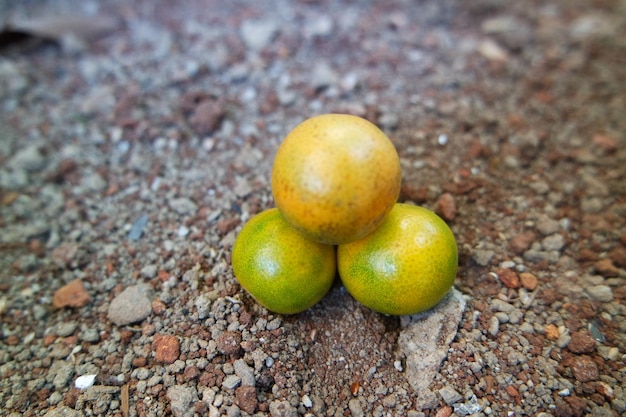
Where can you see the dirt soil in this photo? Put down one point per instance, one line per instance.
(138, 139)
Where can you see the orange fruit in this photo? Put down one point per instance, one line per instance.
(404, 267)
(335, 177)
(282, 269)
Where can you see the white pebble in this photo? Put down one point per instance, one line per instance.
(85, 381)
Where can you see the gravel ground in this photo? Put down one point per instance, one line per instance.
(128, 163)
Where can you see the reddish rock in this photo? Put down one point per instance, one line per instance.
(605, 142)
(581, 342)
(246, 398)
(139, 362)
(521, 242)
(446, 207)
(229, 343)
(578, 406)
(584, 369)
(166, 348)
(73, 294)
(64, 254)
(412, 193)
(445, 411)
(586, 255)
(606, 390)
(606, 268)
(618, 256)
(191, 373)
(508, 278)
(158, 307)
(512, 391)
(12, 340)
(528, 280)
(226, 225)
(207, 116)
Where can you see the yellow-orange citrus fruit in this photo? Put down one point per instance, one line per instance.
(406, 266)
(335, 177)
(282, 269)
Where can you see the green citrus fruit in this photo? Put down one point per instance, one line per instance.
(406, 266)
(335, 177)
(282, 269)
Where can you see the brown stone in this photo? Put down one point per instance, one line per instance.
(605, 142)
(158, 307)
(552, 332)
(512, 391)
(64, 254)
(226, 225)
(582, 342)
(577, 405)
(446, 207)
(606, 268)
(508, 278)
(246, 398)
(12, 340)
(228, 342)
(584, 369)
(73, 294)
(139, 362)
(618, 256)
(528, 280)
(166, 348)
(416, 194)
(605, 389)
(207, 116)
(445, 411)
(521, 242)
(586, 255)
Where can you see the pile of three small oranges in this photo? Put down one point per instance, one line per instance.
(336, 181)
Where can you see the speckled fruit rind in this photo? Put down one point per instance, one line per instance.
(335, 177)
(406, 266)
(282, 269)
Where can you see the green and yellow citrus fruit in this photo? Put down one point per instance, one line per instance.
(406, 266)
(335, 177)
(282, 269)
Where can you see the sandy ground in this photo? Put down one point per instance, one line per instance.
(137, 141)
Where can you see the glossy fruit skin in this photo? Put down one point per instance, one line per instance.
(335, 177)
(404, 267)
(282, 269)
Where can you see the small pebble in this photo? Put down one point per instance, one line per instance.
(494, 326)
(257, 34)
(245, 372)
(449, 395)
(602, 293)
(131, 305)
(482, 256)
(72, 294)
(584, 369)
(181, 399)
(136, 230)
(166, 348)
(446, 207)
(282, 408)
(554, 242)
(528, 280)
(231, 381)
(355, 408)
